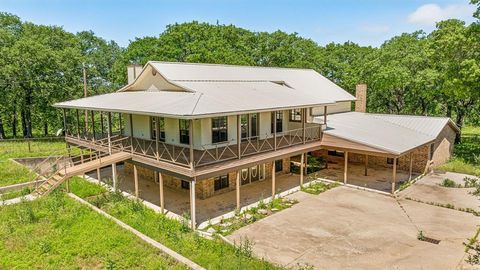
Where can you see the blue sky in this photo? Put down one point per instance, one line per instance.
(368, 22)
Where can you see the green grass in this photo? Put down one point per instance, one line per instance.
(319, 187)
(84, 189)
(14, 173)
(211, 254)
(466, 156)
(56, 232)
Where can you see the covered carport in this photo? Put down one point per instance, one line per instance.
(366, 151)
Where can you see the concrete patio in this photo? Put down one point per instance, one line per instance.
(345, 228)
(178, 201)
(378, 178)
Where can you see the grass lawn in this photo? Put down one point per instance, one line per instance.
(13, 173)
(56, 232)
(211, 254)
(466, 156)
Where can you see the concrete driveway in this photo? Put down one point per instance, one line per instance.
(428, 189)
(346, 228)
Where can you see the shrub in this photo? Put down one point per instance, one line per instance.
(470, 182)
(448, 183)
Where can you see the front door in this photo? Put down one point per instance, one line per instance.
(252, 174)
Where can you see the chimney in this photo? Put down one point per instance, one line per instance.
(132, 72)
(361, 95)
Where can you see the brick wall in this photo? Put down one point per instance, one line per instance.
(205, 188)
(444, 146)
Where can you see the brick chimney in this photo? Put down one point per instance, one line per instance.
(361, 95)
(132, 72)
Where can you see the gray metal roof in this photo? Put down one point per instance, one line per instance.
(370, 130)
(206, 90)
(425, 124)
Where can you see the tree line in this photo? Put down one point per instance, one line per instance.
(434, 74)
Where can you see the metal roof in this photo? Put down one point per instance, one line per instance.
(207, 90)
(367, 129)
(214, 98)
(425, 124)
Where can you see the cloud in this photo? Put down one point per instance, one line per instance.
(375, 29)
(429, 14)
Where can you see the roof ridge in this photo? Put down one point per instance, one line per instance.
(229, 65)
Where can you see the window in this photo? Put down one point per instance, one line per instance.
(244, 125)
(390, 161)
(161, 128)
(184, 126)
(219, 129)
(296, 115)
(336, 153)
(278, 165)
(185, 184)
(254, 122)
(221, 182)
(277, 117)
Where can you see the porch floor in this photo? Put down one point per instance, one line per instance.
(178, 201)
(378, 178)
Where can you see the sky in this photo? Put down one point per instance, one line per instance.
(367, 22)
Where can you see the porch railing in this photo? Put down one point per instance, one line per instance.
(209, 153)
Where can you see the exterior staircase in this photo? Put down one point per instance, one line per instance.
(71, 166)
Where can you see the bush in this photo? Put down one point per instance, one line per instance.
(448, 183)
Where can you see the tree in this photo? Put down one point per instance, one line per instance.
(454, 50)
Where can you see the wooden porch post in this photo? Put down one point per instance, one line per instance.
(157, 135)
(325, 115)
(302, 161)
(92, 115)
(394, 176)
(273, 180)
(65, 131)
(109, 117)
(239, 135)
(78, 123)
(120, 123)
(345, 171)
(238, 190)
(304, 119)
(411, 166)
(135, 178)
(114, 175)
(190, 140)
(274, 130)
(109, 130)
(366, 164)
(131, 131)
(99, 176)
(192, 204)
(162, 201)
(102, 124)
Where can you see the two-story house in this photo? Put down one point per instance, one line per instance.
(209, 128)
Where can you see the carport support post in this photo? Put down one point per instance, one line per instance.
(109, 133)
(135, 178)
(273, 180)
(411, 166)
(302, 162)
(345, 171)
(162, 201)
(114, 175)
(366, 165)
(192, 203)
(394, 176)
(238, 190)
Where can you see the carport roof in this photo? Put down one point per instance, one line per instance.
(375, 132)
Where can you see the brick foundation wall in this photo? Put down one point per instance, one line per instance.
(204, 188)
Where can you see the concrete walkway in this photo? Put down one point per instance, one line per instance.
(18, 200)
